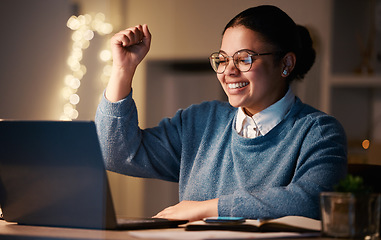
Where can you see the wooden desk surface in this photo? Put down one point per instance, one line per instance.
(15, 231)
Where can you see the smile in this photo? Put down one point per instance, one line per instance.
(237, 85)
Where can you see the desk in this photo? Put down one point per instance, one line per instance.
(15, 231)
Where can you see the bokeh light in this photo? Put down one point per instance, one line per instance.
(84, 28)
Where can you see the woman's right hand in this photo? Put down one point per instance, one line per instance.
(128, 47)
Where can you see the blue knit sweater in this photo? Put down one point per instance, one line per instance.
(279, 174)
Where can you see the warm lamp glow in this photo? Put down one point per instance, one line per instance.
(84, 27)
(365, 144)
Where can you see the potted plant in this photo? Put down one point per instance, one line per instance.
(351, 211)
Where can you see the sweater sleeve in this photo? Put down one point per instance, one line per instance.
(129, 150)
(320, 164)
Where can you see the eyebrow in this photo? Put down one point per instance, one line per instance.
(244, 49)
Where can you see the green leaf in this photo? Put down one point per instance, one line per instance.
(353, 184)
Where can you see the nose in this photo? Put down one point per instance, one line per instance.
(231, 67)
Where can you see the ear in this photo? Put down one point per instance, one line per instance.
(288, 64)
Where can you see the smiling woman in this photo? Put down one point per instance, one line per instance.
(265, 154)
(281, 51)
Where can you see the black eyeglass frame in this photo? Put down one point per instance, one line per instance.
(251, 54)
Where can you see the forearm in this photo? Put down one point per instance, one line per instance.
(129, 47)
(120, 83)
(129, 150)
(270, 203)
(191, 210)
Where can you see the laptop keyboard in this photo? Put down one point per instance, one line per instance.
(139, 220)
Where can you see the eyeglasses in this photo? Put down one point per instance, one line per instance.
(242, 60)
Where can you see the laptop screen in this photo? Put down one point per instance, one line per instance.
(52, 173)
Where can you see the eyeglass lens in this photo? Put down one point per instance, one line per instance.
(242, 60)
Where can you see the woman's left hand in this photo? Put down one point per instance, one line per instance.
(191, 210)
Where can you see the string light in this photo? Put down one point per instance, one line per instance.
(84, 27)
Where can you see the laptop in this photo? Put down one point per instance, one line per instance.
(52, 174)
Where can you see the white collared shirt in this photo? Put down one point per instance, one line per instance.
(261, 123)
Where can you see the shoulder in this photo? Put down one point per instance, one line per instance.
(305, 111)
(316, 120)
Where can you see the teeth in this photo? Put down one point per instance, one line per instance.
(237, 85)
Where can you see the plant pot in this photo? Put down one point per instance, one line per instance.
(350, 216)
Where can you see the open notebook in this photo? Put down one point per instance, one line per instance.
(283, 224)
(52, 173)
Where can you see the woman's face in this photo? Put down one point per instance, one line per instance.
(263, 84)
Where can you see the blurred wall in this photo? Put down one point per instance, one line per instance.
(34, 47)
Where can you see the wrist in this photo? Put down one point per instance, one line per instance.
(211, 209)
(122, 73)
(120, 83)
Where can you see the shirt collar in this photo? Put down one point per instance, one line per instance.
(268, 118)
(240, 118)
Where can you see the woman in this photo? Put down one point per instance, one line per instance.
(264, 154)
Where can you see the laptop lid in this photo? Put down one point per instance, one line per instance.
(52, 173)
